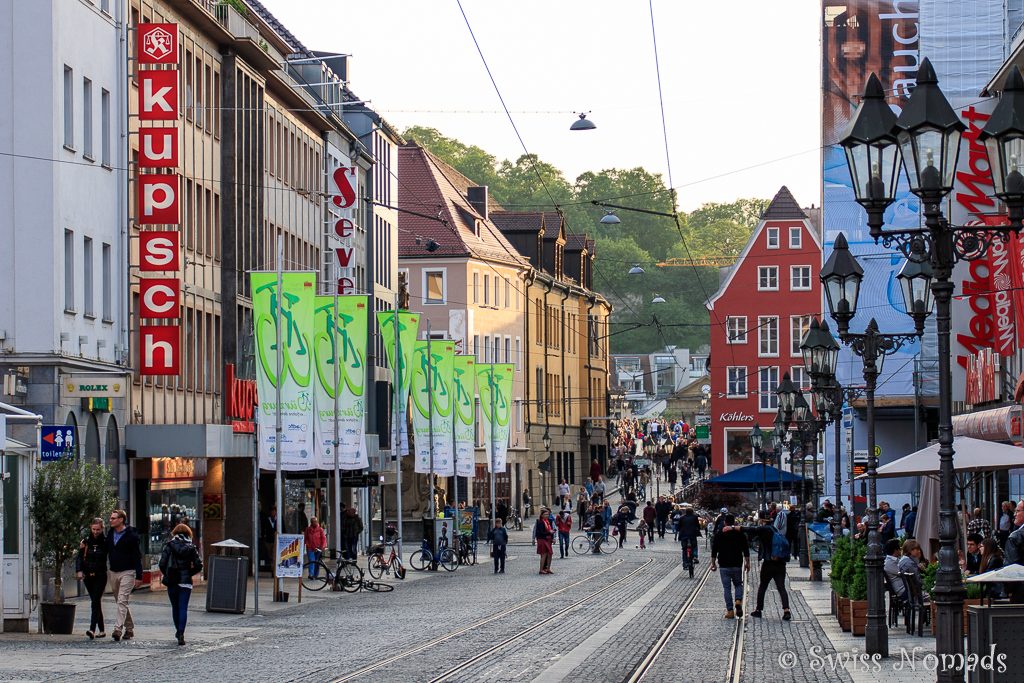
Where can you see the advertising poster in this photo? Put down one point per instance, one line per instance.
(289, 557)
(339, 341)
(408, 328)
(494, 381)
(442, 384)
(295, 375)
(860, 37)
(464, 383)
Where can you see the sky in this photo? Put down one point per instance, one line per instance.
(740, 79)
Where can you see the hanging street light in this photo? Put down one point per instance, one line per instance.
(583, 123)
(657, 299)
(636, 270)
(609, 218)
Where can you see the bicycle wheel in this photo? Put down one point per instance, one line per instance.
(319, 581)
(610, 546)
(472, 555)
(378, 587)
(420, 560)
(350, 577)
(581, 545)
(447, 560)
(689, 565)
(397, 567)
(376, 565)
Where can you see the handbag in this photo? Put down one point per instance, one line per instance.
(615, 531)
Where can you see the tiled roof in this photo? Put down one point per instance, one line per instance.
(430, 186)
(552, 225)
(278, 27)
(515, 221)
(576, 242)
(784, 207)
(591, 247)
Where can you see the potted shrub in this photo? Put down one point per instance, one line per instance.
(837, 574)
(858, 590)
(975, 595)
(928, 585)
(66, 496)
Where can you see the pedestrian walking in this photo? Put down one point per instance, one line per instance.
(642, 530)
(316, 543)
(774, 552)
(498, 538)
(124, 556)
(650, 514)
(179, 562)
(621, 521)
(544, 533)
(599, 488)
(606, 516)
(582, 505)
(595, 470)
(564, 525)
(91, 568)
(527, 501)
(662, 510)
(793, 529)
(351, 527)
(731, 552)
(501, 511)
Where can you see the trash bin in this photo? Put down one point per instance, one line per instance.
(227, 578)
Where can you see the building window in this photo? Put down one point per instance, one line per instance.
(487, 349)
(508, 293)
(800, 377)
(736, 386)
(487, 290)
(768, 335)
(105, 127)
(87, 118)
(798, 327)
(519, 355)
(69, 107)
(800, 278)
(108, 304)
(434, 287)
(87, 276)
(496, 358)
(768, 382)
(772, 237)
(508, 349)
(767, 278)
(795, 237)
(69, 271)
(539, 390)
(476, 348)
(736, 329)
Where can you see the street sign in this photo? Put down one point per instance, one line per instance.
(860, 463)
(878, 451)
(357, 480)
(847, 418)
(56, 441)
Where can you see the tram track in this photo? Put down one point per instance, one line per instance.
(440, 640)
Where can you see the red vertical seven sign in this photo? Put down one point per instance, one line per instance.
(158, 199)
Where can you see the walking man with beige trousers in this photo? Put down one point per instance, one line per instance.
(124, 555)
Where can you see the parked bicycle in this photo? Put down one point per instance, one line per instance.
(379, 563)
(593, 541)
(347, 576)
(424, 558)
(515, 520)
(465, 548)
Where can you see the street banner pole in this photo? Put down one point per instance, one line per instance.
(396, 452)
(278, 484)
(493, 442)
(256, 513)
(334, 443)
(430, 427)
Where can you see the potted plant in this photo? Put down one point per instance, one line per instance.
(975, 596)
(837, 574)
(858, 590)
(928, 585)
(66, 496)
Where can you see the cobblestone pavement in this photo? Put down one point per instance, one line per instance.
(576, 635)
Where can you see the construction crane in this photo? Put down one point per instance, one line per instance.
(716, 261)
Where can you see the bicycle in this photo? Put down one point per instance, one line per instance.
(593, 542)
(688, 560)
(465, 549)
(379, 565)
(423, 558)
(515, 520)
(347, 576)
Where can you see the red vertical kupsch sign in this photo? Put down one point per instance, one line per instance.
(158, 199)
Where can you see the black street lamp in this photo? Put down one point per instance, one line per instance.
(756, 440)
(928, 133)
(781, 431)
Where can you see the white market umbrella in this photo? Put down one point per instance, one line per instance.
(972, 455)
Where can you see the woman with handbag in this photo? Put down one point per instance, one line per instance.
(545, 535)
(91, 568)
(179, 562)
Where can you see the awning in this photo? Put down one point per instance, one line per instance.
(997, 424)
(972, 455)
(753, 477)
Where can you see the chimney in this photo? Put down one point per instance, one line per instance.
(477, 197)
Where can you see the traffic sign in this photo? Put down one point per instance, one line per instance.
(847, 418)
(878, 451)
(56, 441)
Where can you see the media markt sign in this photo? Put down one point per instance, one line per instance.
(94, 386)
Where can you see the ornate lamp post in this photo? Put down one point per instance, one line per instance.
(807, 429)
(781, 433)
(756, 440)
(927, 137)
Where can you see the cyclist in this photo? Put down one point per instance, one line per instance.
(689, 531)
(597, 532)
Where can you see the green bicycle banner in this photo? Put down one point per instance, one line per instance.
(464, 384)
(495, 380)
(295, 375)
(432, 406)
(339, 345)
(444, 407)
(408, 328)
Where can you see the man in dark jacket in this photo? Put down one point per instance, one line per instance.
(793, 531)
(1015, 553)
(124, 554)
(649, 515)
(772, 568)
(731, 552)
(700, 461)
(689, 532)
(498, 538)
(662, 509)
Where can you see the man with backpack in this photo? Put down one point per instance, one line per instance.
(774, 553)
(730, 551)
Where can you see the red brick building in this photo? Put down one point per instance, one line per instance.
(758, 318)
